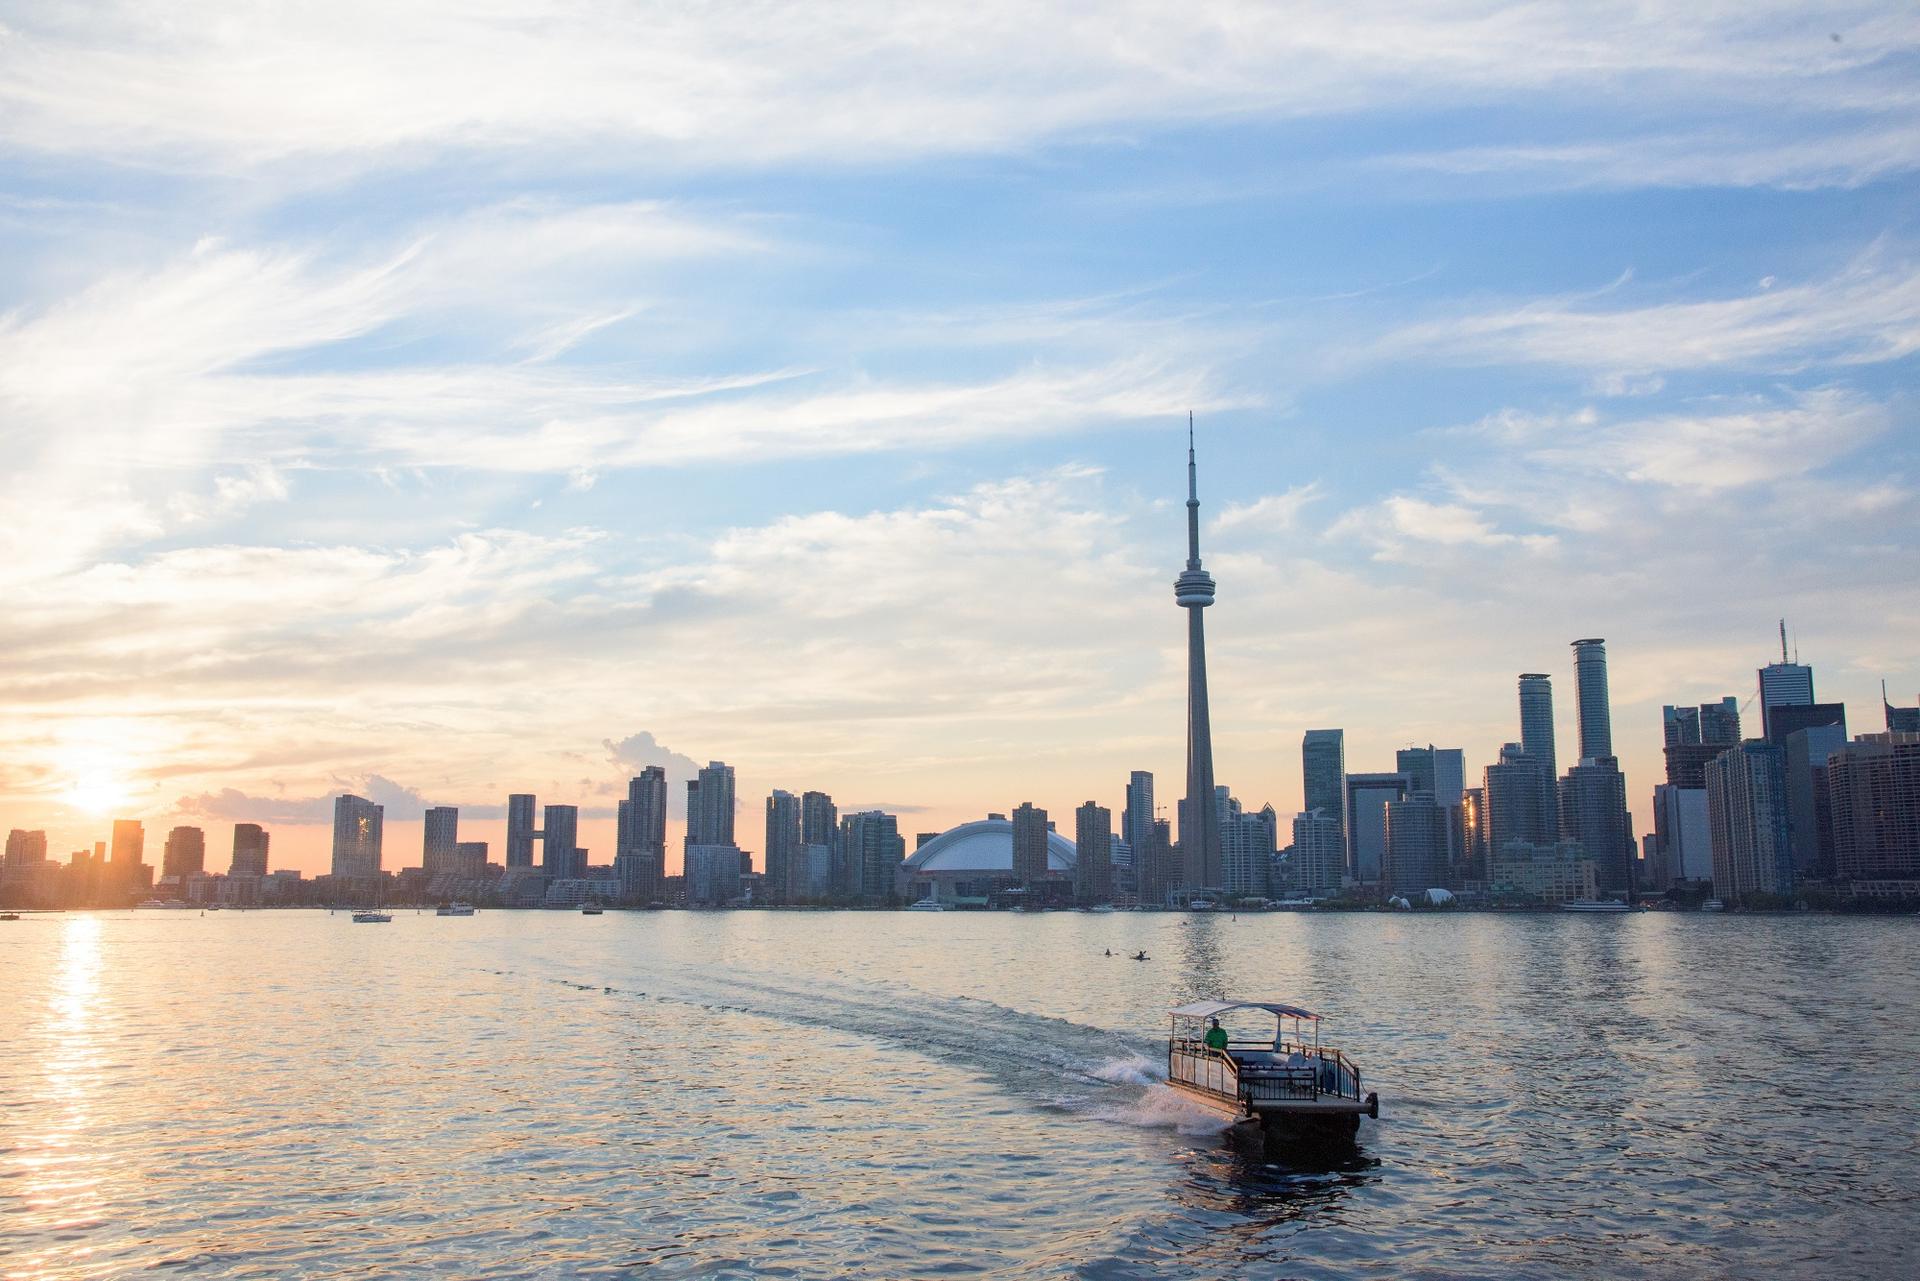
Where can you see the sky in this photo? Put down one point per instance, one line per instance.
(446, 400)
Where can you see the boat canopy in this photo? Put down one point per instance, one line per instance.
(1212, 1009)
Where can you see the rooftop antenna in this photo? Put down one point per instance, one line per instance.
(1783, 640)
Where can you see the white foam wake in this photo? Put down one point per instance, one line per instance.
(1134, 1069)
(1160, 1107)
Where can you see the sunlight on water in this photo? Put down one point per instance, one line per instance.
(889, 1095)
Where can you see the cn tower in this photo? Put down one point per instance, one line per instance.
(1199, 815)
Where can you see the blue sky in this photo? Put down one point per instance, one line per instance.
(452, 396)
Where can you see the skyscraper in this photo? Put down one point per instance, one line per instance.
(1515, 812)
(1747, 815)
(249, 850)
(1199, 820)
(1809, 812)
(1417, 845)
(520, 830)
(1536, 723)
(560, 852)
(1782, 684)
(1367, 797)
(783, 845)
(1030, 844)
(1593, 811)
(1136, 821)
(1319, 854)
(24, 847)
(1898, 720)
(710, 806)
(1092, 869)
(874, 852)
(1590, 686)
(1323, 775)
(639, 858)
(1873, 786)
(356, 837)
(439, 838)
(1437, 771)
(186, 852)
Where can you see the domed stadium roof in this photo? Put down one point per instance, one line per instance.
(984, 845)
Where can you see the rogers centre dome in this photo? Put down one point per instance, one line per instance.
(982, 848)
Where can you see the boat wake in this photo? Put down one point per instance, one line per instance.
(1160, 1107)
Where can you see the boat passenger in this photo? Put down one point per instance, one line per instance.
(1216, 1037)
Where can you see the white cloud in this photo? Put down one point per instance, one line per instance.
(1272, 513)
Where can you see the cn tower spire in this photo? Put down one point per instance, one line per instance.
(1199, 817)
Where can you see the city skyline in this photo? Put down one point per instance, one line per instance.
(509, 428)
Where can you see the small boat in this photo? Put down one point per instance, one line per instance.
(1139, 956)
(9, 916)
(1713, 905)
(1100, 909)
(1593, 905)
(1202, 905)
(592, 909)
(454, 909)
(372, 917)
(927, 905)
(1294, 1089)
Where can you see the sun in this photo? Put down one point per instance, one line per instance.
(97, 786)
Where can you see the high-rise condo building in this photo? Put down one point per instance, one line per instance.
(1437, 771)
(1898, 720)
(1809, 801)
(783, 846)
(714, 873)
(1030, 844)
(1472, 828)
(1720, 722)
(1590, 683)
(469, 859)
(1199, 820)
(560, 854)
(1681, 832)
(819, 819)
(24, 847)
(125, 867)
(1515, 809)
(185, 854)
(1136, 821)
(1536, 726)
(1319, 854)
(521, 830)
(1593, 812)
(1248, 843)
(249, 850)
(1747, 818)
(874, 852)
(439, 836)
(639, 860)
(1873, 786)
(710, 806)
(1323, 776)
(1093, 839)
(1417, 848)
(1792, 717)
(357, 826)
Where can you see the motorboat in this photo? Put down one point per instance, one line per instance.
(1713, 905)
(372, 917)
(592, 909)
(927, 905)
(1099, 909)
(454, 909)
(9, 916)
(1593, 905)
(1290, 1085)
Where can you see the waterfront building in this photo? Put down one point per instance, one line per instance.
(1593, 812)
(818, 862)
(1682, 834)
(560, 854)
(1029, 844)
(1319, 861)
(521, 830)
(572, 891)
(973, 864)
(1873, 786)
(438, 839)
(1515, 803)
(714, 873)
(1747, 817)
(24, 847)
(1537, 741)
(782, 845)
(1367, 798)
(126, 869)
(1248, 843)
(1543, 872)
(1093, 843)
(640, 842)
(1417, 847)
(710, 806)
(874, 852)
(249, 850)
(1323, 777)
(1193, 591)
(1120, 861)
(1473, 835)
(185, 853)
(1590, 687)
(357, 824)
(1155, 871)
(469, 859)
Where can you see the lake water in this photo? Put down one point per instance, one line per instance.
(906, 1094)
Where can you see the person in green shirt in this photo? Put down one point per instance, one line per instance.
(1216, 1038)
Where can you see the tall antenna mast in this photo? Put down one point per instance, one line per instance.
(1783, 640)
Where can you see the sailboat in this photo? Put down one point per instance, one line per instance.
(371, 914)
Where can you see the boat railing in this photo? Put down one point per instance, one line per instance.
(1260, 1071)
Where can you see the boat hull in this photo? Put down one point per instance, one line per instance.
(1300, 1123)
